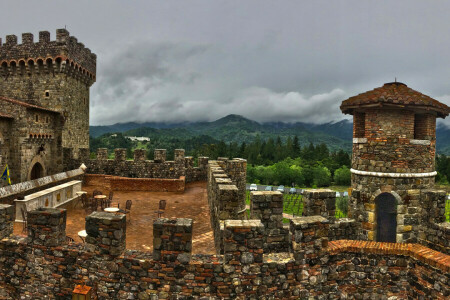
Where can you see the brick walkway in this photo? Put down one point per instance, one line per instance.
(190, 204)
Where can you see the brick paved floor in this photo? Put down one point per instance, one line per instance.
(190, 204)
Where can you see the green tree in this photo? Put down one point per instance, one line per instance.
(342, 176)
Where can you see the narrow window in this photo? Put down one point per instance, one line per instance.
(421, 127)
(37, 118)
(47, 94)
(359, 124)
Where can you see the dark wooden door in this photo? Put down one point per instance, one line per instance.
(36, 171)
(386, 206)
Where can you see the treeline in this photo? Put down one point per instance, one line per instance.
(270, 161)
(443, 169)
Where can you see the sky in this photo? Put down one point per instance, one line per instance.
(174, 61)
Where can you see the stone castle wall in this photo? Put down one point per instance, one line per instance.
(226, 201)
(23, 137)
(315, 267)
(52, 74)
(139, 167)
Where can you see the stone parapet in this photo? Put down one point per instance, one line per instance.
(106, 233)
(102, 154)
(160, 155)
(47, 226)
(243, 241)
(320, 202)
(309, 237)
(172, 240)
(120, 154)
(268, 207)
(6, 220)
(139, 155)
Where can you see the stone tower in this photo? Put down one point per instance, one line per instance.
(55, 75)
(393, 162)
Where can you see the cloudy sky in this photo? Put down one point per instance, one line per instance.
(266, 60)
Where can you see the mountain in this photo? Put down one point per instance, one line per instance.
(236, 128)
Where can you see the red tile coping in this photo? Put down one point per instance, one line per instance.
(2, 115)
(431, 257)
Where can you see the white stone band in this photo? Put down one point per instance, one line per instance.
(393, 175)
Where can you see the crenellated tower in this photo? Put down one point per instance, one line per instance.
(52, 74)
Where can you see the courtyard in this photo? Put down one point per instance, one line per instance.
(190, 204)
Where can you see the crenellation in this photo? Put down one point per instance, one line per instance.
(44, 37)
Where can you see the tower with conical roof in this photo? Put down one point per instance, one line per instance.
(393, 161)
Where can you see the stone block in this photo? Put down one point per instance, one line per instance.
(243, 241)
(7, 216)
(47, 226)
(172, 240)
(106, 233)
(160, 155)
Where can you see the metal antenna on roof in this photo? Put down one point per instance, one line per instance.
(395, 79)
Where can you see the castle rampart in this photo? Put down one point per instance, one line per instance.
(315, 267)
(140, 167)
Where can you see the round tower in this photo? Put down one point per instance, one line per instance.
(393, 161)
(55, 75)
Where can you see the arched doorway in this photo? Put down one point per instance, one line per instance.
(386, 210)
(37, 171)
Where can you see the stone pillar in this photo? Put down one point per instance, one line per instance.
(139, 155)
(160, 155)
(179, 155)
(203, 162)
(228, 202)
(7, 217)
(120, 154)
(236, 169)
(172, 240)
(320, 202)
(106, 233)
(243, 242)
(102, 154)
(47, 226)
(268, 207)
(84, 155)
(309, 237)
(188, 162)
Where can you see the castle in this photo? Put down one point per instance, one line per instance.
(44, 98)
(394, 245)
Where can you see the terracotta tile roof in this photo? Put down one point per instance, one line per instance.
(394, 94)
(25, 104)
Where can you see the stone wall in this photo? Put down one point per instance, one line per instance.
(141, 168)
(11, 192)
(268, 207)
(316, 267)
(28, 131)
(52, 74)
(7, 216)
(226, 201)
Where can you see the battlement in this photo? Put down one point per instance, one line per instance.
(65, 55)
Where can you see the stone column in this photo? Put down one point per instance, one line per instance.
(179, 155)
(7, 217)
(160, 155)
(309, 237)
(120, 154)
(203, 162)
(243, 242)
(139, 155)
(268, 207)
(320, 202)
(106, 233)
(102, 154)
(172, 240)
(47, 226)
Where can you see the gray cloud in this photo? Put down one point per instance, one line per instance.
(269, 61)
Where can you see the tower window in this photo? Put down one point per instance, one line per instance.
(422, 127)
(359, 124)
(37, 118)
(84, 101)
(47, 94)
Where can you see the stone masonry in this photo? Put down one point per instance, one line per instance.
(106, 233)
(47, 226)
(44, 96)
(268, 207)
(7, 216)
(393, 162)
(172, 240)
